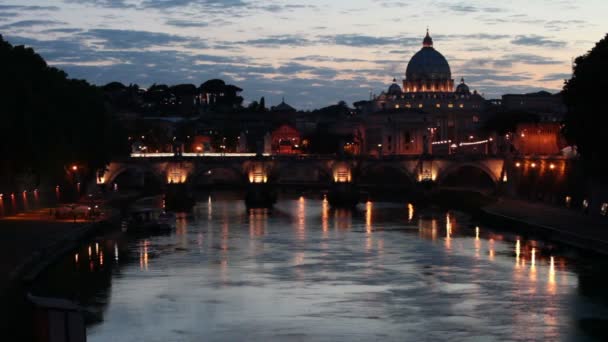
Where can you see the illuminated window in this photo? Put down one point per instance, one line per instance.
(475, 118)
(420, 105)
(461, 105)
(407, 105)
(397, 106)
(438, 105)
(450, 105)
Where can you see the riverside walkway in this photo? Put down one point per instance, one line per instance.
(568, 226)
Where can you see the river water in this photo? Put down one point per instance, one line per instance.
(303, 271)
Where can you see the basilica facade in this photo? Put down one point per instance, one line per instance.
(425, 113)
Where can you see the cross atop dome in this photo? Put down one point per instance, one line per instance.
(428, 41)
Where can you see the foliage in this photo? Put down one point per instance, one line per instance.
(587, 116)
(49, 120)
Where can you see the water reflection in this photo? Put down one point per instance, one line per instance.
(256, 274)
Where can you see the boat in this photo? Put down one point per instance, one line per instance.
(147, 220)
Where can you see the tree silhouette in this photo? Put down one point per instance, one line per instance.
(587, 117)
(49, 120)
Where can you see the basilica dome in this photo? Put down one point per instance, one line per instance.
(428, 70)
(428, 63)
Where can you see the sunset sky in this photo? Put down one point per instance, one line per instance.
(313, 53)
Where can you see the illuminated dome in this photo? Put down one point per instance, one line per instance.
(394, 89)
(462, 88)
(428, 70)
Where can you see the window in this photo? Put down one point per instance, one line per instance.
(475, 118)
(420, 105)
(438, 105)
(461, 105)
(450, 105)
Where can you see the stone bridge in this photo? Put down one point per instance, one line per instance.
(304, 170)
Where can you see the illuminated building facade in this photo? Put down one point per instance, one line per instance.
(426, 108)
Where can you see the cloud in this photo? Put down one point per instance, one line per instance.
(105, 3)
(186, 23)
(278, 40)
(556, 77)
(27, 8)
(165, 4)
(535, 40)
(356, 40)
(132, 39)
(31, 23)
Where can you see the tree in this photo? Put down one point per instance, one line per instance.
(49, 120)
(587, 116)
(262, 104)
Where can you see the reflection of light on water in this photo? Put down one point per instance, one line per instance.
(76, 257)
(96, 248)
(301, 227)
(325, 216)
(101, 258)
(410, 212)
(477, 242)
(533, 258)
(143, 255)
(491, 246)
(209, 208)
(551, 282)
(448, 232)
(257, 221)
(368, 217)
(517, 252)
(90, 252)
(116, 252)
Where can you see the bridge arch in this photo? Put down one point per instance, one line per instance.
(385, 174)
(218, 175)
(468, 174)
(301, 172)
(134, 175)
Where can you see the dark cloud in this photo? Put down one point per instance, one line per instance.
(186, 23)
(164, 4)
(131, 39)
(356, 40)
(556, 77)
(535, 40)
(285, 40)
(22, 8)
(105, 3)
(31, 23)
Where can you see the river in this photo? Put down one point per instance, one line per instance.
(304, 271)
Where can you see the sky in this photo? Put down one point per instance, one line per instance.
(313, 53)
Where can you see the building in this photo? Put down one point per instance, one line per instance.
(286, 140)
(426, 107)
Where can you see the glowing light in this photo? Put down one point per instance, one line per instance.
(76, 257)
(116, 252)
(533, 165)
(474, 143)
(517, 252)
(476, 233)
(552, 166)
(410, 212)
(90, 252)
(533, 259)
(96, 248)
(518, 164)
(368, 217)
(74, 168)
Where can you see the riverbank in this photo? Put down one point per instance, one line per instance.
(561, 225)
(30, 242)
